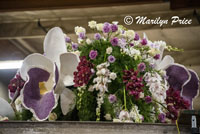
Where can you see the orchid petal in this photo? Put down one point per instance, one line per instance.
(145, 36)
(178, 76)
(191, 89)
(166, 62)
(69, 63)
(6, 109)
(39, 104)
(35, 60)
(67, 99)
(54, 45)
(161, 49)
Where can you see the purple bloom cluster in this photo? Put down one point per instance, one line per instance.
(111, 59)
(112, 98)
(97, 36)
(114, 27)
(114, 41)
(148, 99)
(17, 83)
(93, 54)
(141, 67)
(157, 57)
(175, 103)
(137, 37)
(74, 46)
(106, 27)
(131, 44)
(67, 39)
(133, 82)
(122, 42)
(81, 35)
(161, 117)
(144, 42)
(83, 73)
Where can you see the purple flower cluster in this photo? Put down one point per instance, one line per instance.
(114, 27)
(131, 44)
(74, 46)
(67, 39)
(137, 37)
(141, 67)
(122, 42)
(16, 84)
(111, 59)
(112, 98)
(93, 54)
(84, 73)
(81, 35)
(106, 27)
(157, 57)
(175, 103)
(144, 42)
(161, 117)
(133, 82)
(148, 99)
(114, 41)
(97, 36)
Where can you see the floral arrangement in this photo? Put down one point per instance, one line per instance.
(116, 75)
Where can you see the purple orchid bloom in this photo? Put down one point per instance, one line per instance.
(40, 76)
(184, 80)
(46, 76)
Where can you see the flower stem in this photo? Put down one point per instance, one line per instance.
(161, 104)
(104, 57)
(125, 98)
(126, 67)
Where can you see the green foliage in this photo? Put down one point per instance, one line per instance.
(87, 110)
(24, 115)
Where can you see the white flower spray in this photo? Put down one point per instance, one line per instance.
(104, 76)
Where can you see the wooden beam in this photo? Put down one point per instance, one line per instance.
(30, 29)
(23, 5)
(180, 4)
(20, 47)
(27, 46)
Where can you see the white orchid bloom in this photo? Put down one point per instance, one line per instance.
(6, 109)
(55, 50)
(160, 64)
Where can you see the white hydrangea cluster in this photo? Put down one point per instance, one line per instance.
(92, 24)
(79, 30)
(129, 34)
(157, 86)
(124, 116)
(109, 50)
(132, 52)
(135, 115)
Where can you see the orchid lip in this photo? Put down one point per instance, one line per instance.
(36, 97)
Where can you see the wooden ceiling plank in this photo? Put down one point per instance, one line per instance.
(23, 5)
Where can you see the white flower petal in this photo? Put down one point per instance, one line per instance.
(69, 63)
(36, 60)
(167, 60)
(67, 99)
(54, 45)
(6, 109)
